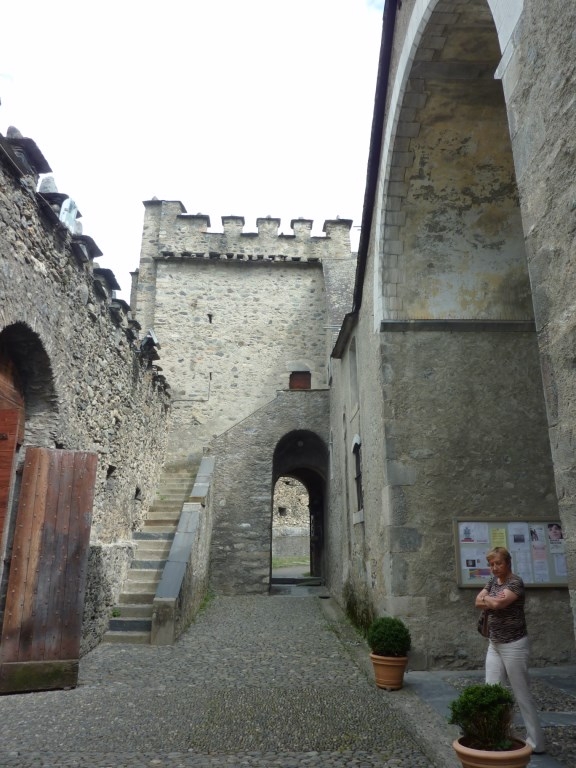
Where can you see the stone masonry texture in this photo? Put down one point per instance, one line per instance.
(460, 411)
(235, 313)
(86, 385)
(442, 389)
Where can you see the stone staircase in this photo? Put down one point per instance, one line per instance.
(131, 619)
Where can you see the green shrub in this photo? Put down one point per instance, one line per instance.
(484, 715)
(388, 636)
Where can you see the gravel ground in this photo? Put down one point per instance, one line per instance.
(256, 681)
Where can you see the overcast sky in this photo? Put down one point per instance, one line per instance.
(243, 107)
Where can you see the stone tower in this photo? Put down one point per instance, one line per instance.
(238, 315)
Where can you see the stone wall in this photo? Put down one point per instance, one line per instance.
(243, 483)
(538, 81)
(88, 385)
(452, 417)
(290, 520)
(290, 503)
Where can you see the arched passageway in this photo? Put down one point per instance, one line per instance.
(27, 414)
(302, 455)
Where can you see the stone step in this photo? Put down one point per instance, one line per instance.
(136, 598)
(174, 486)
(174, 492)
(162, 526)
(130, 638)
(180, 474)
(145, 576)
(175, 499)
(130, 624)
(165, 510)
(157, 545)
(149, 564)
(150, 556)
(170, 513)
(133, 611)
(150, 550)
(142, 584)
(149, 534)
(159, 530)
(152, 547)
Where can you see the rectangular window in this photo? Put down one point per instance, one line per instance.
(300, 380)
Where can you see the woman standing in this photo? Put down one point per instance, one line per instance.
(508, 648)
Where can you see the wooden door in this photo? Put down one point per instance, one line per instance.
(41, 631)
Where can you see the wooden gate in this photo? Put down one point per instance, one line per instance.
(41, 631)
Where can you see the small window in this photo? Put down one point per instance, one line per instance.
(300, 380)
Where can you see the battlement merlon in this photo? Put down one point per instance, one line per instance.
(268, 227)
(170, 231)
(302, 228)
(338, 230)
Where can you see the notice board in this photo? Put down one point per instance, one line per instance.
(537, 548)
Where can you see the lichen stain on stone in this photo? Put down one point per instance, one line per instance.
(495, 220)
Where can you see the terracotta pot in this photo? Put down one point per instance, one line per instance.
(516, 757)
(389, 671)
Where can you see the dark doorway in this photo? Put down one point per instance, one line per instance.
(303, 456)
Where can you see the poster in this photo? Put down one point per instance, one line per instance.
(537, 548)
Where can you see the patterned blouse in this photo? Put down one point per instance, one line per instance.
(507, 624)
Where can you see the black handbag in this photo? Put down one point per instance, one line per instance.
(483, 624)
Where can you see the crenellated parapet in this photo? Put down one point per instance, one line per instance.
(171, 232)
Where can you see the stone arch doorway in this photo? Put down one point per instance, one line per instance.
(28, 412)
(303, 455)
(24, 354)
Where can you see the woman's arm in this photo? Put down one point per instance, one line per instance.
(497, 603)
(481, 598)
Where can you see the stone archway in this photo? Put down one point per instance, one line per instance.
(453, 245)
(29, 360)
(303, 455)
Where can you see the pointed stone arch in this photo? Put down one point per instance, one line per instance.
(451, 244)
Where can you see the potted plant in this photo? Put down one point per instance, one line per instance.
(483, 713)
(389, 640)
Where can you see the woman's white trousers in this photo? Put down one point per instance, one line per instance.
(511, 660)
